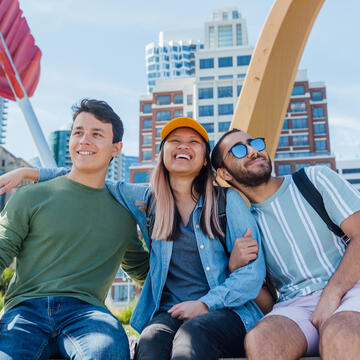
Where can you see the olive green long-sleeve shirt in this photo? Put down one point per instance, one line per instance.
(69, 240)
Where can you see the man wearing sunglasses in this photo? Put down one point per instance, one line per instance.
(317, 278)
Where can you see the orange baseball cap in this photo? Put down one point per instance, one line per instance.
(184, 122)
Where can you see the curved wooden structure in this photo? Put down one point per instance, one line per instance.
(265, 96)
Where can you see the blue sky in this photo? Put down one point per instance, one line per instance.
(96, 49)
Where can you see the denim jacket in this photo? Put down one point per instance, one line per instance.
(227, 290)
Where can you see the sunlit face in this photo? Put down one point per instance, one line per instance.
(91, 143)
(184, 152)
(251, 170)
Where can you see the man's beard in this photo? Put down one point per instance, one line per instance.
(252, 179)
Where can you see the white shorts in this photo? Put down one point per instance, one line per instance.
(301, 308)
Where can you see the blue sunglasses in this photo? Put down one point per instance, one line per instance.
(240, 150)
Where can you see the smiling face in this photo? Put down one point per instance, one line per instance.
(91, 144)
(184, 152)
(251, 170)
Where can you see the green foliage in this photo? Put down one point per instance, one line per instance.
(125, 313)
(130, 331)
(5, 278)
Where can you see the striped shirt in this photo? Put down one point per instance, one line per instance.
(301, 252)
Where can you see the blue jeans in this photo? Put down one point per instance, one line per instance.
(40, 328)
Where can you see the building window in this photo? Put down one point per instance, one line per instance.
(157, 148)
(301, 165)
(284, 169)
(205, 93)
(283, 141)
(147, 108)
(225, 77)
(298, 106)
(211, 37)
(351, 171)
(224, 126)
(206, 110)
(225, 61)
(158, 132)
(209, 127)
(211, 143)
(286, 124)
(318, 112)
(226, 109)
(354, 181)
(225, 91)
(298, 90)
(178, 99)
(225, 36)
(163, 116)
(163, 99)
(319, 128)
(147, 124)
(320, 145)
(282, 154)
(243, 60)
(141, 177)
(122, 291)
(147, 154)
(300, 140)
(238, 89)
(317, 96)
(299, 123)
(189, 99)
(300, 153)
(207, 78)
(147, 139)
(189, 114)
(121, 274)
(206, 63)
(238, 35)
(178, 113)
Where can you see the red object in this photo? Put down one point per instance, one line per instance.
(24, 53)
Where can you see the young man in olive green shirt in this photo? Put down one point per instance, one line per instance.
(69, 237)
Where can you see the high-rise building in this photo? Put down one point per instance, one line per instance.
(210, 96)
(3, 119)
(350, 170)
(170, 58)
(304, 138)
(128, 161)
(59, 146)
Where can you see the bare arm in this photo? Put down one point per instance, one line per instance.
(346, 275)
(15, 177)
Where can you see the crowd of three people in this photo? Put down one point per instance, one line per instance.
(203, 295)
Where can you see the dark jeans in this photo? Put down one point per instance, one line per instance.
(40, 328)
(209, 336)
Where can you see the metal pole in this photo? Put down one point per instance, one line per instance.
(42, 146)
(22, 99)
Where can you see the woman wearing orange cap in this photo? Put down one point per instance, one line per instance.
(191, 306)
(200, 311)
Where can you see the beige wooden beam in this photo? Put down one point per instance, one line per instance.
(265, 95)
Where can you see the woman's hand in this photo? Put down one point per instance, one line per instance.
(187, 310)
(245, 250)
(14, 178)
